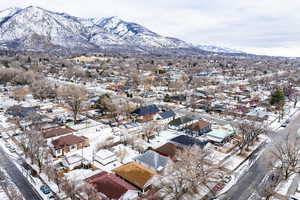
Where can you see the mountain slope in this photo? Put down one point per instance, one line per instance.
(217, 49)
(25, 28)
(35, 28)
(24, 25)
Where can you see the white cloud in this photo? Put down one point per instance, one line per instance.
(258, 26)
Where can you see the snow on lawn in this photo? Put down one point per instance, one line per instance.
(290, 113)
(218, 156)
(233, 162)
(109, 167)
(163, 137)
(81, 174)
(129, 155)
(284, 186)
(4, 123)
(3, 195)
(84, 125)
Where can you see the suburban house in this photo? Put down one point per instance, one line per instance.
(68, 143)
(56, 132)
(178, 99)
(43, 126)
(165, 117)
(146, 113)
(218, 108)
(258, 114)
(152, 160)
(105, 157)
(180, 123)
(112, 187)
(199, 128)
(135, 174)
(185, 141)
(73, 161)
(168, 150)
(20, 112)
(220, 134)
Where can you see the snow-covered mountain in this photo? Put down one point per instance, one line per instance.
(218, 49)
(37, 28)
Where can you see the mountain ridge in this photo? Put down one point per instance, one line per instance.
(36, 28)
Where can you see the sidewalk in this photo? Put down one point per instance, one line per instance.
(292, 189)
(289, 116)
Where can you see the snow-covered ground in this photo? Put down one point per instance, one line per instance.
(163, 137)
(289, 114)
(284, 186)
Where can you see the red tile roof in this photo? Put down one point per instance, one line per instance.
(168, 149)
(67, 141)
(110, 185)
(58, 132)
(199, 125)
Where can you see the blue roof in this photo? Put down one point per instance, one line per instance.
(19, 111)
(188, 141)
(167, 114)
(146, 110)
(153, 159)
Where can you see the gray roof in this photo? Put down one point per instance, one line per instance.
(19, 111)
(153, 159)
(167, 114)
(184, 140)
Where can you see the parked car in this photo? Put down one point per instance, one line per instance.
(285, 123)
(45, 189)
(51, 197)
(227, 179)
(218, 187)
(12, 149)
(5, 136)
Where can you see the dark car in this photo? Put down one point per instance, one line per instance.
(45, 189)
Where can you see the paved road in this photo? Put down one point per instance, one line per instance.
(18, 178)
(250, 181)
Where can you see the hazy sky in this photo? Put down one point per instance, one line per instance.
(270, 27)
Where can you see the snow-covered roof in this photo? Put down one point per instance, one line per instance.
(76, 158)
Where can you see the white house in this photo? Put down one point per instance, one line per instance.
(73, 161)
(105, 157)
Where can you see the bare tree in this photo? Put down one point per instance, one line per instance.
(285, 157)
(105, 143)
(267, 187)
(191, 174)
(74, 97)
(90, 192)
(42, 89)
(149, 130)
(19, 94)
(122, 154)
(35, 147)
(53, 174)
(70, 188)
(249, 133)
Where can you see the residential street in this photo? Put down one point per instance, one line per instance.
(18, 178)
(248, 183)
